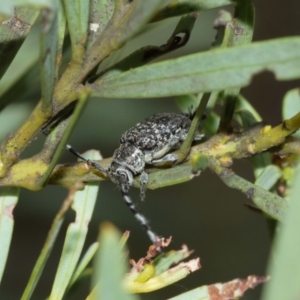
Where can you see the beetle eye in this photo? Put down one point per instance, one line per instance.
(121, 174)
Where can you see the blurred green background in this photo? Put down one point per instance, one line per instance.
(231, 240)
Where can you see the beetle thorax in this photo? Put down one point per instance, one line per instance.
(127, 162)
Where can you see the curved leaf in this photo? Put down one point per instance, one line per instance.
(12, 34)
(204, 72)
(77, 14)
(109, 267)
(180, 7)
(8, 201)
(148, 53)
(100, 13)
(84, 202)
(127, 20)
(268, 177)
(284, 264)
(48, 245)
(291, 104)
(53, 24)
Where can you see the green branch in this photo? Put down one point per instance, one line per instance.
(216, 153)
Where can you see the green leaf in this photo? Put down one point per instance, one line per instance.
(245, 113)
(149, 53)
(7, 6)
(77, 14)
(146, 282)
(101, 12)
(48, 245)
(22, 76)
(140, 12)
(109, 267)
(127, 20)
(290, 105)
(8, 200)
(57, 139)
(225, 29)
(211, 124)
(180, 7)
(247, 116)
(88, 256)
(238, 31)
(243, 23)
(268, 177)
(203, 72)
(187, 103)
(84, 202)
(164, 261)
(284, 263)
(52, 35)
(13, 32)
(268, 202)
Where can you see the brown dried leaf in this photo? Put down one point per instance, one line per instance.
(235, 288)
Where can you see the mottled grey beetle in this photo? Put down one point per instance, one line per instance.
(147, 143)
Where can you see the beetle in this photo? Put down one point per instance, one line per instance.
(149, 142)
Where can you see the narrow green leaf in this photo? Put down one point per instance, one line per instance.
(225, 29)
(109, 267)
(127, 20)
(180, 7)
(211, 124)
(268, 177)
(88, 256)
(284, 263)
(200, 293)
(171, 258)
(243, 23)
(268, 202)
(124, 239)
(77, 14)
(178, 39)
(140, 12)
(203, 72)
(146, 282)
(186, 145)
(186, 103)
(247, 116)
(8, 200)
(24, 61)
(52, 35)
(7, 6)
(58, 138)
(48, 245)
(84, 202)
(238, 31)
(260, 162)
(101, 12)
(242, 105)
(291, 104)
(13, 32)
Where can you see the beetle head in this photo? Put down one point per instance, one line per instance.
(120, 175)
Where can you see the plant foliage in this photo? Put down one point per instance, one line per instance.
(92, 31)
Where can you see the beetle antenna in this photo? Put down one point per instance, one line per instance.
(88, 161)
(139, 217)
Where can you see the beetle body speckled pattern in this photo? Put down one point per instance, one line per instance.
(148, 142)
(158, 134)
